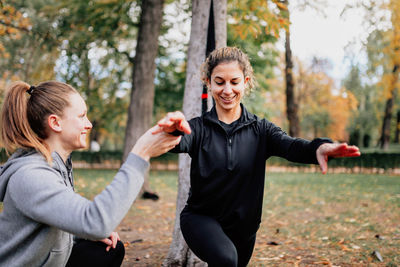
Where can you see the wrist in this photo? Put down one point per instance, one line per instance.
(141, 153)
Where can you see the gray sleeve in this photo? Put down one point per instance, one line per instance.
(40, 194)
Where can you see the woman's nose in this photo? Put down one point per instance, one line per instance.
(227, 88)
(88, 124)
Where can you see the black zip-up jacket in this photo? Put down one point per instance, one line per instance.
(227, 171)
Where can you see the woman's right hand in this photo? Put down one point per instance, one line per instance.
(174, 121)
(152, 144)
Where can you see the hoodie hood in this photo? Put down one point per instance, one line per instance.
(19, 159)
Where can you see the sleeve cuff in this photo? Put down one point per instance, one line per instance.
(314, 145)
(137, 161)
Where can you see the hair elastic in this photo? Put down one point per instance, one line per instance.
(31, 89)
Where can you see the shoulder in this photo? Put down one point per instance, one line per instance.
(34, 175)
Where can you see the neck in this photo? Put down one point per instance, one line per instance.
(55, 146)
(229, 116)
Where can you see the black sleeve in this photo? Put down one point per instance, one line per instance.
(187, 141)
(293, 149)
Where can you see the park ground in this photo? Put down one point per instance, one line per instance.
(309, 219)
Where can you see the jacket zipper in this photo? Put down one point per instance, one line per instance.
(230, 161)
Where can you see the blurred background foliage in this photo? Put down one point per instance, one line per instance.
(90, 44)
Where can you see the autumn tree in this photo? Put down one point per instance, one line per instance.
(29, 43)
(292, 108)
(390, 80)
(255, 16)
(324, 109)
(12, 25)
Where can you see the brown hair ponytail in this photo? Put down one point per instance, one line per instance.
(25, 111)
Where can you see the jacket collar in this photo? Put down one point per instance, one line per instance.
(245, 118)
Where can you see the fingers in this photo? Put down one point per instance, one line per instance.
(343, 150)
(174, 121)
(169, 143)
(323, 163)
(156, 129)
(184, 127)
(334, 150)
(108, 242)
(114, 239)
(111, 241)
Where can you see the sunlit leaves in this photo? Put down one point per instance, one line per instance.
(252, 17)
(12, 23)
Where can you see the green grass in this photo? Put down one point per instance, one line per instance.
(315, 218)
(335, 215)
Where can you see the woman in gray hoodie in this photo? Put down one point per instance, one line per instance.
(41, 213)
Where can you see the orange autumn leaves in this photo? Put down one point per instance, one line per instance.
(324, 108)
(12, 23)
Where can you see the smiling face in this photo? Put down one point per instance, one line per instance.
(74, 124)
(227, 85)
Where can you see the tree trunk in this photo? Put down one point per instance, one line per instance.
(291, 103)
(397, 135)
(179, 254)
(385, 136)
(140, 113)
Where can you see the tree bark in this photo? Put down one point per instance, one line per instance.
(140, 113)
(397, 135)
(385, 135)
(291, 103)
(179, 254)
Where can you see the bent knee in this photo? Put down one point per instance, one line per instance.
(226, 260)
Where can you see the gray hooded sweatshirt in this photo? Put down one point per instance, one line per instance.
(41, 211)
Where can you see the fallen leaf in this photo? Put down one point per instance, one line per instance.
(323, 263)
(345, 248)
(377, 255)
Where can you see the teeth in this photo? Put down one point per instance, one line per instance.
(227, 99)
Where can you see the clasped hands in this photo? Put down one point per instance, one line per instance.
(158, 140)
(173, 121)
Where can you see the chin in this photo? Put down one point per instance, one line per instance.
(229, 107)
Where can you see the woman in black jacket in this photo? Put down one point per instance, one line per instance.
(229, 146)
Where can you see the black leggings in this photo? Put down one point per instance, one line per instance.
(88, 253)
(208, 240)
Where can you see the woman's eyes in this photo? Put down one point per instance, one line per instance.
(221, 83)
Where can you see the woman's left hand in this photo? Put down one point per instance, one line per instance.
(111, 241)
(334, 150)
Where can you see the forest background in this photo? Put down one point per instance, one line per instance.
(92, 44)
(133, 61)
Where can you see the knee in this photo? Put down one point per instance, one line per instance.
(224, 259)
(119, 252)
